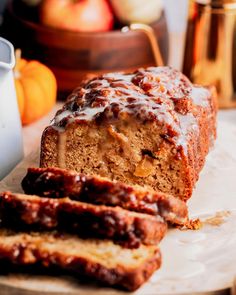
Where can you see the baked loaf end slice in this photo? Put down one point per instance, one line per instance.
(152, 127)
(130, 229)
(101, 260)
(59, 183)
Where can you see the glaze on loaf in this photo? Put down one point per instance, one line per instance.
(152, 127)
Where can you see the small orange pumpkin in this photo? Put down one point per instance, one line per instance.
(36, 89)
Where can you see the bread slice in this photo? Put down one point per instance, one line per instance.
(125, 227)
(151, 127)
(59, 183)
(100, 260)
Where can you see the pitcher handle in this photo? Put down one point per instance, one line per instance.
(149, 32)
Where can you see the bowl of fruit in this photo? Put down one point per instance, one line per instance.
(82, 38)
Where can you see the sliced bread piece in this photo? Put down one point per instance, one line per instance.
(60, 183)
(26, 212)
(101, 260)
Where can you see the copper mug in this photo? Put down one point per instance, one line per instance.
(210, 49)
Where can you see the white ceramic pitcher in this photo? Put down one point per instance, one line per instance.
(11, 147)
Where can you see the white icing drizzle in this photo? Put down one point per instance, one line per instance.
(119, 76)
(188, 125)
(200, 95)
(102, 83)
(88, 113)
(61, 116)
(61, 157)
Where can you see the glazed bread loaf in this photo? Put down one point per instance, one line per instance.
(130, 229)
(60, 183)
(102, 261)
(152, 127)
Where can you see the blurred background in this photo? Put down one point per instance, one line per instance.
(176, 15)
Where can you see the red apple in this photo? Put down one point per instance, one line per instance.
(77, 15)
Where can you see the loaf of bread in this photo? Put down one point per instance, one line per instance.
(60, 183)
(152, 127)
(100, 260)
(130, 229)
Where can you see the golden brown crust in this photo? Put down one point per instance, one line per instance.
(60, 183)
(87, 220)
(27, 251)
